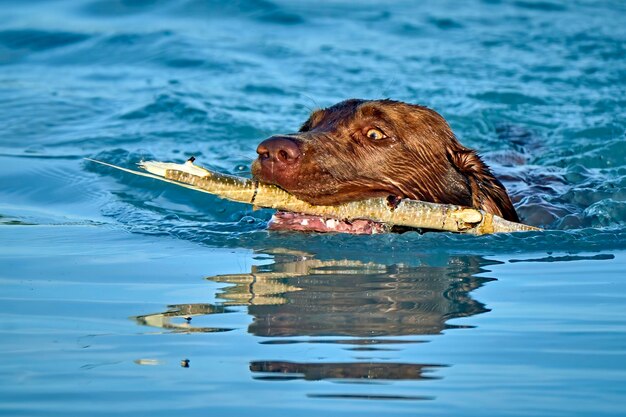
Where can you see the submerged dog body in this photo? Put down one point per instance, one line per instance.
(359, 149)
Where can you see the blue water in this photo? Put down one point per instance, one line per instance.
(124, 296)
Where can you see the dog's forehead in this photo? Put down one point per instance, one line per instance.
(333, 115)
(386, 113)
(350, 110)
(373, 109)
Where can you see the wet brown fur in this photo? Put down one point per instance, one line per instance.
(419, 158)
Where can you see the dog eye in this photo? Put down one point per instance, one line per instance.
(375, 134)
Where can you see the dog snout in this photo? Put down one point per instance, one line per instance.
(279, 161)
(281, 150)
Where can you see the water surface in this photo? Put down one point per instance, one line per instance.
(121, 295)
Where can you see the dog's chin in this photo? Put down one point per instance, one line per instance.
(288, 221)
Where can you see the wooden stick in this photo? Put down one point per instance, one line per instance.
(410, 213)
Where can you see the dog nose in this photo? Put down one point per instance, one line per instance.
(281, 149)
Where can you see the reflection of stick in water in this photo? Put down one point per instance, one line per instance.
(409, 213)
(303, 296)
(269, 287)
(186, 311)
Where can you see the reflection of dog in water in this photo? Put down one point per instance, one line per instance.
(345, 298)
(300, 296)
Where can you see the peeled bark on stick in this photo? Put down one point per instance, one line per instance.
(409, 213)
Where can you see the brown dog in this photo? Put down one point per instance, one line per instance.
(359, 149)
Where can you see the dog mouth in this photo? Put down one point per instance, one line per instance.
(288, 221)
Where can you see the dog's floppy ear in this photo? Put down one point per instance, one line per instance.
(487, 192)
(465, 160)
